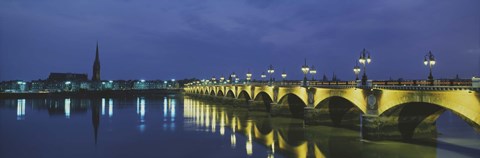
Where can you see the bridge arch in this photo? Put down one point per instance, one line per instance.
(417, 119)
(300, 92)
(409, 116)
(295, 104)
(266, 99)
(220, 93)
(340, 111)
(243, 95)
(230, 94)
(355, 96)
(263, 89)
(247, 89)
(212, 92)
(464, 103)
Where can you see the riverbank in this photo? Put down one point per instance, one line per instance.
(81, 94)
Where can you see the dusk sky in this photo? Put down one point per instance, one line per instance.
(203, 38)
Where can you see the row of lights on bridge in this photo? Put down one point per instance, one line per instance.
(364, 60)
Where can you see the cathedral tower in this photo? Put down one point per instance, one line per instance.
(96, 68)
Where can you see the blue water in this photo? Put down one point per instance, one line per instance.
(177, 126)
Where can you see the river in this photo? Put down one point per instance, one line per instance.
(180, 126)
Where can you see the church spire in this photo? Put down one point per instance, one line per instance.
(96, 56)
(96, 66)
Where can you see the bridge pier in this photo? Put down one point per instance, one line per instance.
(322, 116)
(255, 106)
(313, 116)
(375, 127)
(370, 127)
(279, 110)
(235, 102)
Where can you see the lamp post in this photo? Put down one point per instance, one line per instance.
(284, 76)
(356, 70)
(305, 70)
(364, 60)
(233, 76)
(263, 76)
(313, 71)
(249, 76)
(429, 60)
(214, 80)
(270, 71)
(222, 79)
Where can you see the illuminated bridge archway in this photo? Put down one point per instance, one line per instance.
(265, 99)
(243, 95)
(294, 104)
(338, 111)
(393, 110)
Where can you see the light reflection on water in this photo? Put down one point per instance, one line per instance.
(67, 108)
(170, 119)
(20, 109)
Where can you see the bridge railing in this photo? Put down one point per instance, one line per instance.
(426, 88)
(462, 82)
(276, 83)
(401, 85)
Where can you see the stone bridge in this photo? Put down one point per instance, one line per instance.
(381, 112)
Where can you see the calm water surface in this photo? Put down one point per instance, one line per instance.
(177, 126)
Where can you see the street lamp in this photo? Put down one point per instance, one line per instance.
(233, 76)
(313, 71)
(356, 70)
(429, 60)
(222, 79)
(263, 76)
(214, 79)
(305, 70)
(364, 60)
(270, 71)
(284, 75)
(249, 76)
